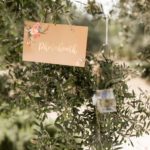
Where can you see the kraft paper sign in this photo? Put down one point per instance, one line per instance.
(55, 44)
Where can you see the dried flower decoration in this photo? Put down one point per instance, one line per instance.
(34, 32)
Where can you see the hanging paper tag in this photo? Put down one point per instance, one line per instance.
(105, 100)
(55, 44)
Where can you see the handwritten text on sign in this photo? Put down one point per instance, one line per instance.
(55, 44)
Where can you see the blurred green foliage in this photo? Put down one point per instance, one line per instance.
(96, 32)
(16, 128)
(144, 56)
(138, 31)
(4, 87)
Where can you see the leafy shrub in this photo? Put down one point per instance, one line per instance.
(66, 90)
